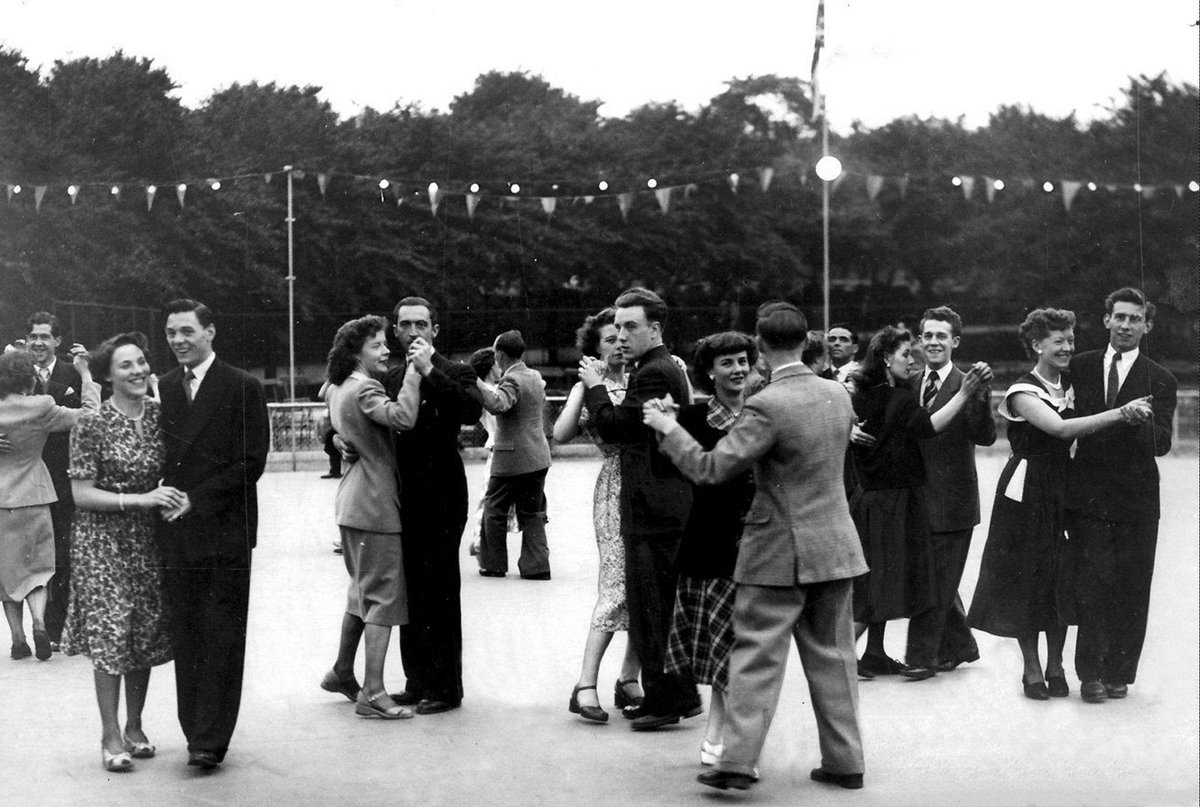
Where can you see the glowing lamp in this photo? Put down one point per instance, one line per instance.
(474, 187)
(957, 181)
(1194, 186)
(115, 190)
(603, 185)
(384, 184)
(1091, 186)
(514, 188)
(1047, 186)
(998, 184)
(433, 187)
(652, 183)
(829, 168)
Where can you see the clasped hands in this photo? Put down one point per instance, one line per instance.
(660, 414)
(1137, 411)
(420, 356)
(591, 371)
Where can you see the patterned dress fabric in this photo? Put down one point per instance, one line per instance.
(116, 614)
(610, 613)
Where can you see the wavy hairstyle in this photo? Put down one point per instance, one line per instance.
(1040, 322)
(16, 373)
(587, 335)
(873, 369)
(100, 359)
(712, 347)
(348, 343)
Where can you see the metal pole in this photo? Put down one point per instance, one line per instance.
(291, 286)
(825, 214)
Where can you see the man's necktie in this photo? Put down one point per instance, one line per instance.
(931, 388)
(43, 382)
(1114, 383)
(188, 375)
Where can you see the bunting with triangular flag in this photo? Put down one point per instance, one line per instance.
(624, 202)
(322, 183)
(1069, 189)
(180, 192)
(734, 179)
(39, 193)
(874, 186)
(150, 191)
(902, 184)
(968, 187)
(989, 188)
(663, 195)
(548, 205)
(472, 203)
(765, 175)
(435, 198)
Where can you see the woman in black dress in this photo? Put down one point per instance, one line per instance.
(1024, 585)
(701, 637)
(887, 505)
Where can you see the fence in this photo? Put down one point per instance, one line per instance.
(295, 437)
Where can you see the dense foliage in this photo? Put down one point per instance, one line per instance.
(716, 254)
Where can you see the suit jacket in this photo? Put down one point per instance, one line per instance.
(1114, 476)
(65, 388)
(655, 498)
(433, 485)
(368, 497)
(216, 451)
(793, 433)
(29, 421)
(951, 483)
(519, 403)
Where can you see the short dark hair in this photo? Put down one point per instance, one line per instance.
(781, 325)
(1128, 294)
(348, 343)
(482, 361)
(1040, 322)
(44, 318)
(183, 305)
(16, 373)
(414, 300)
(872, 371)
(651, 303)
(815, 348)
(511, 344)
(100, 359)
(845, 326)
(587, 335)
(712, 347)
(943, 313)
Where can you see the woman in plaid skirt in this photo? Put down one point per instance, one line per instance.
(702, 627)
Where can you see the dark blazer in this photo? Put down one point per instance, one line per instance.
(519, 404)
(65, 388)
(1113, 476)
(793, 433)
(951, 483)
(216, 451)
(427, 457)
(655, 498)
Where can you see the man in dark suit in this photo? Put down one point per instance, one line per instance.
(655, 501)
(215, 422)
(59, 379)
(1112, 498)
(797, 559)
(520, 459)
(433, 510)
(939, 639)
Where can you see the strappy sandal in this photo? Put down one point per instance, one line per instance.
(120, 762)
(623, 699)
(345, 686)
(138, 750)
(365, 706)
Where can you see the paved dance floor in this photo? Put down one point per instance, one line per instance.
(967, 737)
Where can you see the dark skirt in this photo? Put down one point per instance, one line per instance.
(1025, 580)
(377, 593)
(702, 630)
(894, 531)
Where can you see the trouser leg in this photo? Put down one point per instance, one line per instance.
(531, 517)
(493, 549)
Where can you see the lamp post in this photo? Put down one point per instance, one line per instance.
(829, 168)
(291, 287)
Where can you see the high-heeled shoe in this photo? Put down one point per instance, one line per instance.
(138, 750)
(365, 705)
(119, 762)
(1037, 692)
(623, 699)
(41, 644)
(592, 713)
(710, 753)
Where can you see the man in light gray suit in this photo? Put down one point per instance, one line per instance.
(798, 554)
(520, 459)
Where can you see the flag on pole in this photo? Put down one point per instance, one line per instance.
(819, 43)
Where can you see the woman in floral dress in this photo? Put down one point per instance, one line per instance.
(597, 337)
(116, 615)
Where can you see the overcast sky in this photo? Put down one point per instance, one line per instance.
(883, 59)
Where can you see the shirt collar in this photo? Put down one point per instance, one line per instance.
(1127, 358)
(942, 372)
(776, 370)
(201, 369)
(719, 415)
(49, 368)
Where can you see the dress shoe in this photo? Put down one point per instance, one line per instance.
(1116, 691)
(346, 686)
(1037, 691)
(538, 576)
(1057, 685)
(918, 673)
(710, 753)
(879, 665)
(19, 651)
(850, 781)
(649, 721)
(41, 645)
(120, 762)
(1093, 692)
(622, 699)
(490, 573)
(204, 760)
(726, 780)
(406, 698)
(331, 476)
(587, 712)
(368, 706)
(950, 665)
(432, 706)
